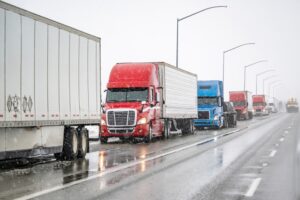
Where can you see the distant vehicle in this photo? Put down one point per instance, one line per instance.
(230, 114)
(147, 100)
(242, 101)
(292, 105)
(273, 105)
(260, 105)
(49, 86)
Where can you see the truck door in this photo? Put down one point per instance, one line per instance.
(155, 110)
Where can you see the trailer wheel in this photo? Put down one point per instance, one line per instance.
(149, 137)
(70, 148)
(83, 144)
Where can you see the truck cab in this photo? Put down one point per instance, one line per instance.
(260, 105)
(242, 101)
(210, 104)
(132, 107)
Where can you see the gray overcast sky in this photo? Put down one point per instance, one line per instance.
(144, 30)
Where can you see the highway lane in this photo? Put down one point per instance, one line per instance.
(21, 183)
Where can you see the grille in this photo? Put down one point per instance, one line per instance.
(258, 110)
(203, 114)
(121, 118)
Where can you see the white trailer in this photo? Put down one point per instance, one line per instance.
(179, 98)
(49, 86)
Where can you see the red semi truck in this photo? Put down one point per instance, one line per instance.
(242, 101)
(146, 100)
(259, 105)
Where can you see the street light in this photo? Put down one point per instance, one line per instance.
(272, 83)
(224, 52)
(188, 16)
(265, 79)
(245, 70)
(259, 74)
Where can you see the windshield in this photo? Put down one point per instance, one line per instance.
(208, 101)
(238, 103)
(127, 95)
(258, 104)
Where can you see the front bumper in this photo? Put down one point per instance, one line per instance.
(205, 123)
(133, 131)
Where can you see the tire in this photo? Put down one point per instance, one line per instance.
(167, 126)
(70, 147)
(149, 137)
(226, 123)
(83, 144)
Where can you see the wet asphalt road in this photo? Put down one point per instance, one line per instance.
(211, 164)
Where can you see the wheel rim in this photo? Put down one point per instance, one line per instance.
(75, 144)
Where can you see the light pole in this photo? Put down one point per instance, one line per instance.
(224, 52)
(259, 74)
(272, 83)
(250, 65)
(265, 79)
(188, 16)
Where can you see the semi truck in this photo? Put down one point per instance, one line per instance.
(292, 105)
(260, 105)
(273, 105)
(147, 100)
(49, 86)
(210, 99)
(211, 112)
(242, 101)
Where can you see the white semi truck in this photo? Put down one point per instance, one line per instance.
(49, 86)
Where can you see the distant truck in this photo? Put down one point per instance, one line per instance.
(260, 105)
(242, 101)
(211, 106)
(147, 100)
(292, 105)
(49, 86)
(273, 105)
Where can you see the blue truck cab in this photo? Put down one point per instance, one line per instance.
(210, 104)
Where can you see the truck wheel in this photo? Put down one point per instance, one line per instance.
(83, 144)
(167, 126)
(70, 148)
(149, 137)
(226, 123)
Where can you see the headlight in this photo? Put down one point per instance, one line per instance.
(103, 123)
(216, 117)
(142, 121)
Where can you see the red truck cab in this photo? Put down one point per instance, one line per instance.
(259, 105)
(132, 107)
(242, 101)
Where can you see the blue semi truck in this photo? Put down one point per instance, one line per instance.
(213, 112)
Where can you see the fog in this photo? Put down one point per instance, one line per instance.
(141, 30)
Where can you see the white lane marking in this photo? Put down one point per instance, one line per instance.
(265, 164)
(276, 144)
(253, 187)
(121, 167)
(286, 132)
(281, 139)
(272, 154)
